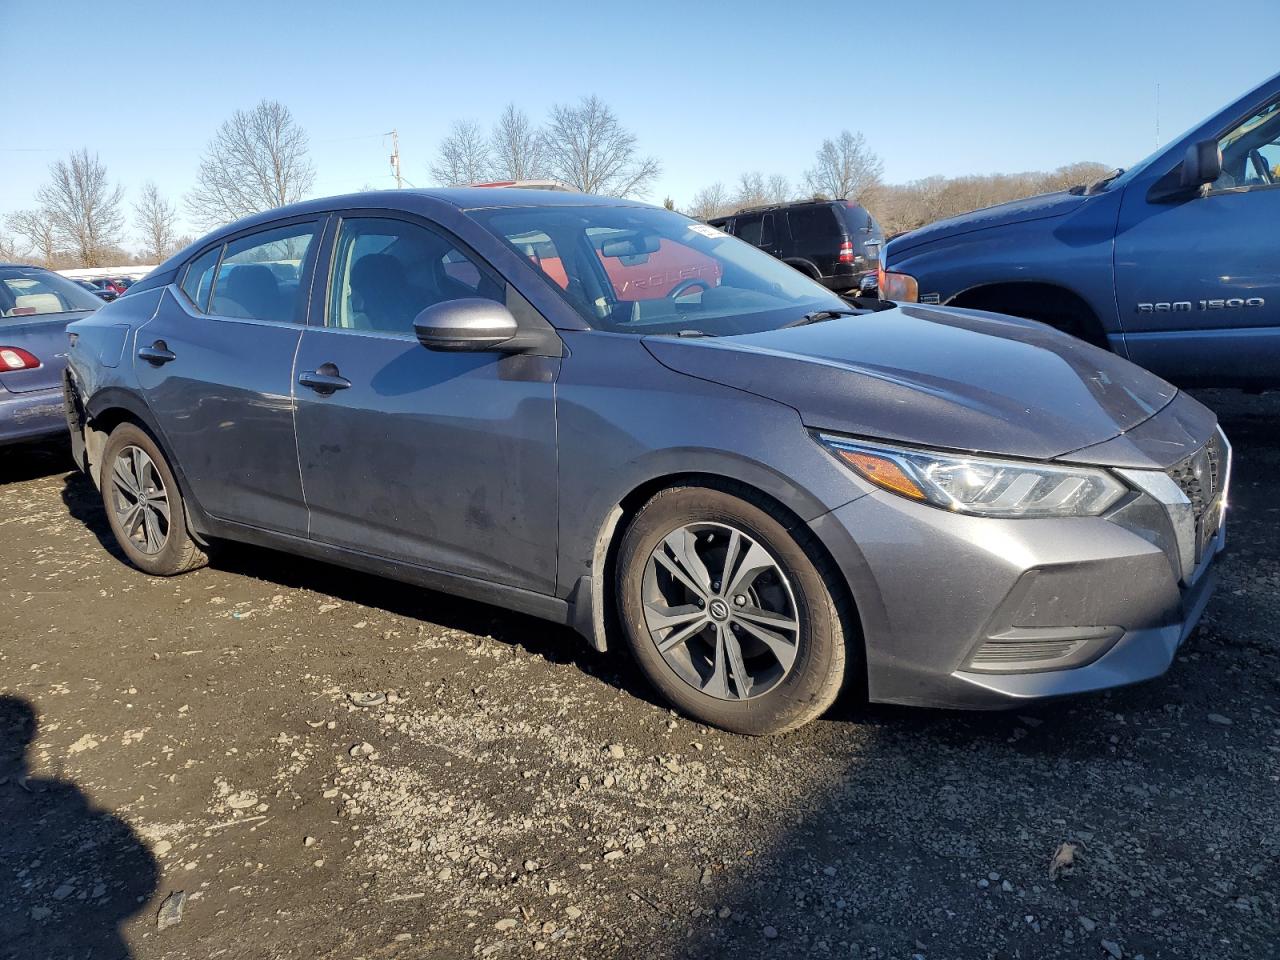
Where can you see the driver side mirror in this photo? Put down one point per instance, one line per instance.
(471, 323)
(1202, 164)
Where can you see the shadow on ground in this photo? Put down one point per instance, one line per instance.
(20, 462)
(108, 874)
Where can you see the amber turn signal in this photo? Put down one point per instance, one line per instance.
(901, 287)
(883, 472)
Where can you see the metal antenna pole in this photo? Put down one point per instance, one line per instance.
(395, 158)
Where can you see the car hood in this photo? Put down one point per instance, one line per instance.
(1016, 211)
(936, 377)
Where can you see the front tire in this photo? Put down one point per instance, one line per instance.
(727, 615)
(144, 506)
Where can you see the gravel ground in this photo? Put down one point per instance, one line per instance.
(276, 758)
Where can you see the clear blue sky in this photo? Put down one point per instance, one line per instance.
(712, 89)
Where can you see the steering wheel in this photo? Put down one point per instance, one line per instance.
(1260, 164)
(684, 286)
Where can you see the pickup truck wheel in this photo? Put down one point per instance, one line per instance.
(144, 506)
(727, 615)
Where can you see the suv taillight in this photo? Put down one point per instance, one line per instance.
(15, 358)
(846, 251)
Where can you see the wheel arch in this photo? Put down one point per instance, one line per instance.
(1042, 300)
(594, 606)
(807, 267)
(113, 406)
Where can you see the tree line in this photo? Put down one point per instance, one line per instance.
(258, 159)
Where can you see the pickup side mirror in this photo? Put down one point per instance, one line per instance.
(472, 323)
(1201, 165)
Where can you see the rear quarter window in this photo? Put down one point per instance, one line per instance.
(813, 224)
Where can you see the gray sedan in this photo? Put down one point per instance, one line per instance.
(614, 417)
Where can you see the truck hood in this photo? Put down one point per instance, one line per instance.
(934, 377)
(1016, 211)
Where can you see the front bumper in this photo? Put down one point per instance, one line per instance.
(979, 613)
(28, 416)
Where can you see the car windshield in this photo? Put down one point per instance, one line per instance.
(29, 291)
(643, 270)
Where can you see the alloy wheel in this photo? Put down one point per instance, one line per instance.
(140, 500)
(721, 611)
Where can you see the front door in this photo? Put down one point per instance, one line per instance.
(445, 460)
(1198, 280)
(215, 366)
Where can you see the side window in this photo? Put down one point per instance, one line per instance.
(766, 231)
(386, 272)
(199, 279)
(260, 276)
(749, 228)
(1251, 152)
(812, 224)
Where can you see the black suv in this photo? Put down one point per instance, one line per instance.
(837, 242)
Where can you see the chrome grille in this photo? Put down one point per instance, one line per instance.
(1199, 475)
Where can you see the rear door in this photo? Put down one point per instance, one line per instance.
(444, 460)
(35, 308)
(215, 366)
(1198, 280)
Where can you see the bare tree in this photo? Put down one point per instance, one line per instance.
(778, 189)
(1073, 174)
(516, 147)
(256, 161)
(463, 156)
(845, 169)
(155, 219)
(588, 148)
(751, 190)
(35, 228)
(907, 206)
(709, 202)
(8, 250)
(84, 209)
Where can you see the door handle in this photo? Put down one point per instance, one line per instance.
(157, 354)
(324, 380)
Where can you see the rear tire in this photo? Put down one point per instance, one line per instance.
(144, 506)
(762, 652)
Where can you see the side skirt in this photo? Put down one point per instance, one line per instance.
(500, 595)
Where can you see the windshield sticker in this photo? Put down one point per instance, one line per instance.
(706, 231)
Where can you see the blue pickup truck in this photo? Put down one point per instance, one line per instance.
(1174, 263)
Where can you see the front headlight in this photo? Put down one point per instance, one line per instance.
(984, 486)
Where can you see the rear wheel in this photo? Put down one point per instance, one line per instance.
(144, 506)
(727, 614)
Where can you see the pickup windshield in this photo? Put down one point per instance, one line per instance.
(643, 270)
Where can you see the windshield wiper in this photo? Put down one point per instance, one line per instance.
(687, 333)
(1097, 185)
(817, 316)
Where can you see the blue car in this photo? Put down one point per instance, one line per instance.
(1173, 263)
(617, 418)
(35, 307)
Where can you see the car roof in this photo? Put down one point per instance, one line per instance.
(766, 207)
(421, 200)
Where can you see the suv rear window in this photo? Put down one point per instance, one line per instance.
(813, 223)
